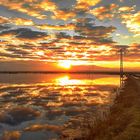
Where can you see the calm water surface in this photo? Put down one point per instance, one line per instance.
(45, 106)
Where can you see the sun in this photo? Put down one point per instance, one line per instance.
(66, 64)
(41, 53)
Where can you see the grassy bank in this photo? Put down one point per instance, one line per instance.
(123, 122)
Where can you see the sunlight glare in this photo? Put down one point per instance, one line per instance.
(65, 80)
(40, 53)
(66, 64)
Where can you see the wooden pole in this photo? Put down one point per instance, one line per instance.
(121, 67)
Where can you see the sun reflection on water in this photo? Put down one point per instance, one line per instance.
(65, 80)
(107, 81)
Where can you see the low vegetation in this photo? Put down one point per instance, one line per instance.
(123, 122)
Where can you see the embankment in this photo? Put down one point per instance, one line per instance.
(123, 122)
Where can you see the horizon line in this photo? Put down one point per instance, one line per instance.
(69, 72)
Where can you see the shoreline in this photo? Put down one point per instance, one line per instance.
(69, 72)
(123, 121)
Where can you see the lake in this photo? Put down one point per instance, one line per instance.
(46, 106)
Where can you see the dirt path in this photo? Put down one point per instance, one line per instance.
(136, 78)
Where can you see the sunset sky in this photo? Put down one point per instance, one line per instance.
(69, 34)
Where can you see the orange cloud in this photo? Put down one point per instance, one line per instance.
(104, 12)
(132, 22)
(46, 5)
(57, 27)
(3, 20)
(134, 49)
(126, 9)
(89, 2)
(64, 15)
(33, 9)
(22, 21)
(12, 5)
(85, 4)
(7, 135)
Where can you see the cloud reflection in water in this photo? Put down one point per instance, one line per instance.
(51, 103)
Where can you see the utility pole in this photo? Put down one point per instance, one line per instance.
(122, 51)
